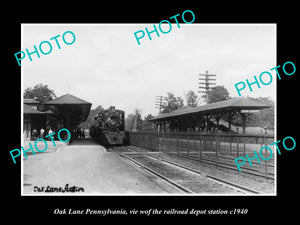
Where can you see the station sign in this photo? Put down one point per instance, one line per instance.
(249, 111)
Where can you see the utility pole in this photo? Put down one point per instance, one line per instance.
(137, 111)
(158, 102)
(205, 80)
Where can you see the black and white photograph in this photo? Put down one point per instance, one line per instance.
(178, 114)
(138, 112)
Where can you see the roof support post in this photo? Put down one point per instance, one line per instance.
(181, 124)
(230, 115)
(189, 123)
(176, 124)
(68, 114)
(195, 122)
(243, 115)
(218, 117)
(159, 125)
(208, 117)
(164, 127)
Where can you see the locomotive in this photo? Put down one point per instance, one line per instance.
(108, 127)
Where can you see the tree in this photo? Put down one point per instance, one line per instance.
(90, 119)
(147, 125)
(171, 103)
(191, 99)
(40, 93)
(130, 122)
(217, 94)
(265, 117)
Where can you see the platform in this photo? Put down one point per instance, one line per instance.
(86, 165)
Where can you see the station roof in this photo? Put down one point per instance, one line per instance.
(27, 109)
(227, 105)
(76, 108)
(67, 99)
(30, 101)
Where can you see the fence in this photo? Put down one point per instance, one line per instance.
(218, 149)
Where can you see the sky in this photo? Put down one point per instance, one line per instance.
(106, 66)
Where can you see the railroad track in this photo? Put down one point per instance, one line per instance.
(258, 171)
(185, 179)
(216, 179)
(170, 182)
(246, 170)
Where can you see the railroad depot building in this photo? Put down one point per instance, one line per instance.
(210, 117)
(66, 111)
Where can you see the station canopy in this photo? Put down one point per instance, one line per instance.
(28, 110)
(235, 104)
(72, 108)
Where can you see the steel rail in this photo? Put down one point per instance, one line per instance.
(185, 190)
(224, 165)
(213, 178)
(226, 183)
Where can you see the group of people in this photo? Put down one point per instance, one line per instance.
(42, 133)
(77, 133)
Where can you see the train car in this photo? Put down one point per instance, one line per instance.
(108, 127)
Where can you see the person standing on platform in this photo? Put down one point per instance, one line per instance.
(34, 134)
(50, 132)
(42, 133)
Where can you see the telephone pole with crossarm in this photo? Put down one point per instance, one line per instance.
(208, 82)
